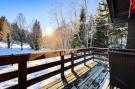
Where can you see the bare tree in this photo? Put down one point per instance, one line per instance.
(73, 22)
(55, 13)
(62, 26)
(21, 29)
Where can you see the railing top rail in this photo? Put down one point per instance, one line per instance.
(122, 50)
(15, 58)
(122, 53)
(100, 48)
(42, 55)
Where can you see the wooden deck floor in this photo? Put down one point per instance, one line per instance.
(92, 76)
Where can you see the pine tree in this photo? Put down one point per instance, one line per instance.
(5, 33)
(0, 32)
(75, 41)
(117, 33)
(36, 36)
(79, 35)
(101, 38)
(107, 34)
(82, 29)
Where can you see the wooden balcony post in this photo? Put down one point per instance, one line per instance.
(93, 54)
(131, 33)
(62, 65)
(72, 61)
(22, 74)
(84, 58)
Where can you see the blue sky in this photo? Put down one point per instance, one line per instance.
(37, 9)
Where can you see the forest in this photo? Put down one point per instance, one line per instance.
(81, 30)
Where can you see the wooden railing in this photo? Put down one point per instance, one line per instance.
(23, 70)
(122, 68)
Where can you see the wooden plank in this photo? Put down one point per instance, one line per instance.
(82, 56)
(91, 79)
(84, 69)
(94, 70)
(49, 85)
(100, 78)
(42, 67)
(105, 83)
(122, 50)
(11, 59)
(43, 77)
(88, 68)
(8, 76)
(78, 57)
(81, 77)
(70, 78)
(78, 63)
(60, 85)
(100, 53)
(8, 59)
(102, 59)
(67, 60)
(80, 73)
(108, 87)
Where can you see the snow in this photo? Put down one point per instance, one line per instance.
(15, 45)
(16, 50)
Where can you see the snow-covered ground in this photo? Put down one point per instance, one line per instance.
(16, 50)
(15, 45)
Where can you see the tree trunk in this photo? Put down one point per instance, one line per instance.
(8, 40)
(21, 45)
(8, 43)
(131, 34)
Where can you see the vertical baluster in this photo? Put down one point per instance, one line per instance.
(84, 57)
(72, 61)
(22, 74)
(62, 65)
(93, 54)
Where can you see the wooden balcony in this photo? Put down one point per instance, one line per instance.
(94, 71)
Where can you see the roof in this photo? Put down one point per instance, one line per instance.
(119, 10)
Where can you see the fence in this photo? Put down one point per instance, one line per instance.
(23, 70)
(122, 68)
